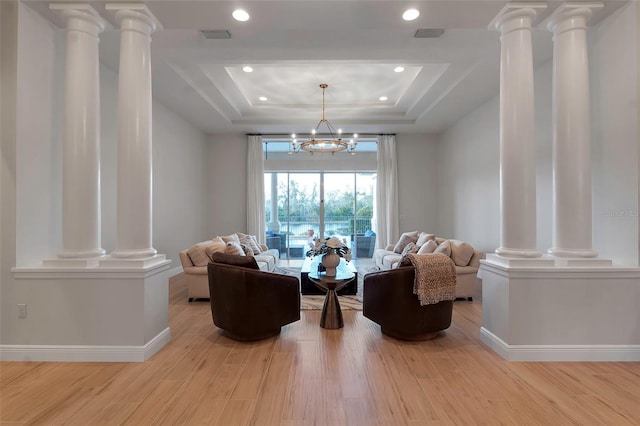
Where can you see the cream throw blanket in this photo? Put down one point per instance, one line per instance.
(435, 279)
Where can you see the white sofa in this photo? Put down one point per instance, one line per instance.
(465, 275)
(196, 276)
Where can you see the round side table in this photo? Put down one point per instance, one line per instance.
(331, 317)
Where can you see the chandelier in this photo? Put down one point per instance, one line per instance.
(330, 141)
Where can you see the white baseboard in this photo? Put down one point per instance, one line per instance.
(79, 353)
(589, 353)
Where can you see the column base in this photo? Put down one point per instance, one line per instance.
(561, 314)
(91, 314)
(532, 262)
(572, 253)
(114, 262)
(134, 253)
(511, 252)
(583, 262)
(82, 254)
(71, 263)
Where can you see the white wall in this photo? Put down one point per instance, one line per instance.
(544, 152)
(614, 91)
(468, 153)
(179, 183)
(417, 183)
(227, 185)
(108, 156)
(362, 161)
(8, 74)
(39, 136)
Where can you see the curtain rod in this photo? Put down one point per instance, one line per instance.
(288, 136)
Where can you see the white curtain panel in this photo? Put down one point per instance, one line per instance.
(387, 192)
(255, 188)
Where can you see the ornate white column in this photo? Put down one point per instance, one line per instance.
(517, 147)
(81, 133)
(134, 211)
(571, 132)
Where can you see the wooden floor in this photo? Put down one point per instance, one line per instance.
(312, 376)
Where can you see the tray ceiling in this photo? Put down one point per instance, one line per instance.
(353, 46)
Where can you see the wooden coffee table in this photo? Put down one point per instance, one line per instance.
(331, 317)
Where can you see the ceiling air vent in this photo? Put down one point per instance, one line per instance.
(215, 34)
(429, 33)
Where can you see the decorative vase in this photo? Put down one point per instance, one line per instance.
(330, 260)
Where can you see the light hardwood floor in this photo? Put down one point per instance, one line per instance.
(312, 376)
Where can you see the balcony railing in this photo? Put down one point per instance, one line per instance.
(334, 225)
(294, 239)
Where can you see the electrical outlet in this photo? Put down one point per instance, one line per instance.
(22, 310)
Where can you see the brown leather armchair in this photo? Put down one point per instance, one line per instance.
(249, 304)
(388, 300)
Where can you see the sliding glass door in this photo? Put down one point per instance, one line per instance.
(301, 205)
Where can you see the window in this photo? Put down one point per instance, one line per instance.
(339, 204)
(332, 195)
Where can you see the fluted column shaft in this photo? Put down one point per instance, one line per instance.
(517, 147)
(134, 210)
(571, 133)
(81, 134)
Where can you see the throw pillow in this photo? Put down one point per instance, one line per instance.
(461, 252)
(230, 259)
(428, 247)
(234, 247)
(247, 249)
(232, 237)
(198, 254)
(405, 238)
(217, 239)
(254, 239)
(249, 240)
(440, 240)
(444, 248)
(216, 247)
(424, 237)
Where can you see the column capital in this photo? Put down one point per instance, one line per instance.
(81, 17)
(570, 16)
(136, 11)
(518, 14)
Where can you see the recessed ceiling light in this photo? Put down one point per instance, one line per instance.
(410, 14)
(247, 69)
(398, 69)
(383, 98)
(263, 98)
(242, 15)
